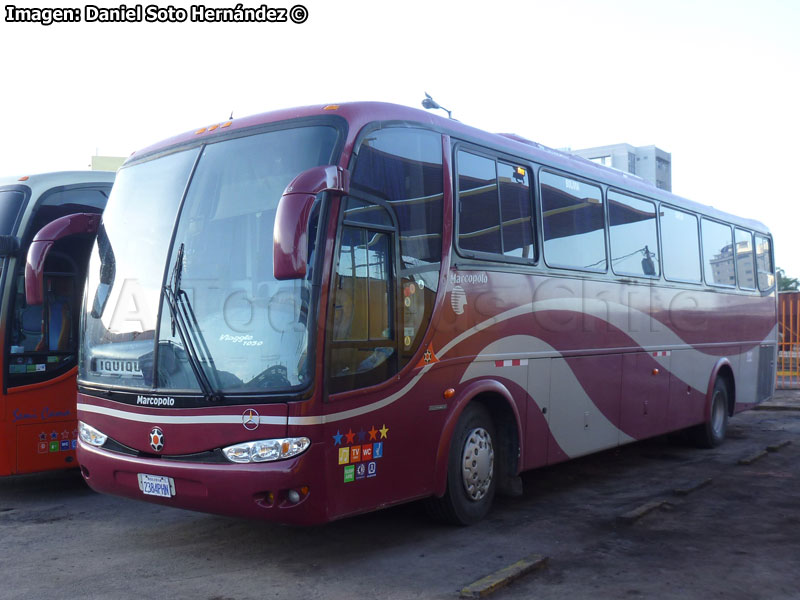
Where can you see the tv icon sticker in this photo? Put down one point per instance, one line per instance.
(344, 456)
(377, 450)
(372, 469)
(361, 471)
(349, 473)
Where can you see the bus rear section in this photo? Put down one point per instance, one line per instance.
(313, 313)
(40, 339)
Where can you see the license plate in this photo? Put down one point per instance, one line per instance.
(156, 485)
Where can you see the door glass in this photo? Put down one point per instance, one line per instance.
(363, 340)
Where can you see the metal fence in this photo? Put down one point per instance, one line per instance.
(788, 340)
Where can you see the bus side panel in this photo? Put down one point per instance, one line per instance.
(7, 448)
(686, 402)
(42, 425)
(537, 431)
(46, 446)
(585, 418)
(645, 395)
(382, 457)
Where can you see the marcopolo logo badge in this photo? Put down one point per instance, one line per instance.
(156, 439)
(250, 419)
(155, 400)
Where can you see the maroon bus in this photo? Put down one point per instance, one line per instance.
(317, 312)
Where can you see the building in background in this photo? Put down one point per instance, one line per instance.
(107, 163)
(648, 162)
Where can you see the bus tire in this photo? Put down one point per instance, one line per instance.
(712, 433)
(471, 469)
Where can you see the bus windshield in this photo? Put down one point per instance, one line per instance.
(194, 299)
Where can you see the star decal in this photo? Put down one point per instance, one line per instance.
(337, 439)
(350, 436)
(362, 435)
(373, 433)
(384, 432)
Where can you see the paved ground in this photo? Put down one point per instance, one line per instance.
(734, 538)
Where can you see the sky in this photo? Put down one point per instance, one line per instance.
(715, 83)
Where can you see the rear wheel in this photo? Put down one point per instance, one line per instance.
(712, 433)
(471, 470)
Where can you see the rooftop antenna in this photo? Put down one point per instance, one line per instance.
(430, 103)
(231, 117)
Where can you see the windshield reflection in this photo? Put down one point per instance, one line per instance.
(247, 331)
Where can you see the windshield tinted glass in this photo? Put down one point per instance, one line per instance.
(254, 329)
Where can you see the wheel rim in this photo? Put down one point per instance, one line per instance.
(477, 464)
(718, 415)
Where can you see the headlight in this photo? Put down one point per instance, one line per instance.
(90, 435)
(266, 450)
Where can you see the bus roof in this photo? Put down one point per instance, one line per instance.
(359, 114)
(44, 181)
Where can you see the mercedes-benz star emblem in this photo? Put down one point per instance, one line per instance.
(156, 439)
(250, 419)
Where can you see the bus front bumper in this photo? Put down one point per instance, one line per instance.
(289, 491)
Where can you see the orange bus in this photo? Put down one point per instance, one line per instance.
(58, 212)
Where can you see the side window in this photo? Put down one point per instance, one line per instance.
(718, 254)
(494, 208)
(680, 246)
(516, 220)
(478, 208)
(402, 168)
(10, 203)
(363, 341)
(745, 269)
(766, 272)
(634, 236)
(573, 223)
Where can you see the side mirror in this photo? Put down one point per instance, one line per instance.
(648, 266)
(290, 234)
(79, 223)
(9, 245)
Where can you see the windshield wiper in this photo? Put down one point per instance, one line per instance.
(183, 320)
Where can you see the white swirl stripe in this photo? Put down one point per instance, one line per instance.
(175, 420)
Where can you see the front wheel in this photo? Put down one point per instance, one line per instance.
(712, 433)
(471, 470)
